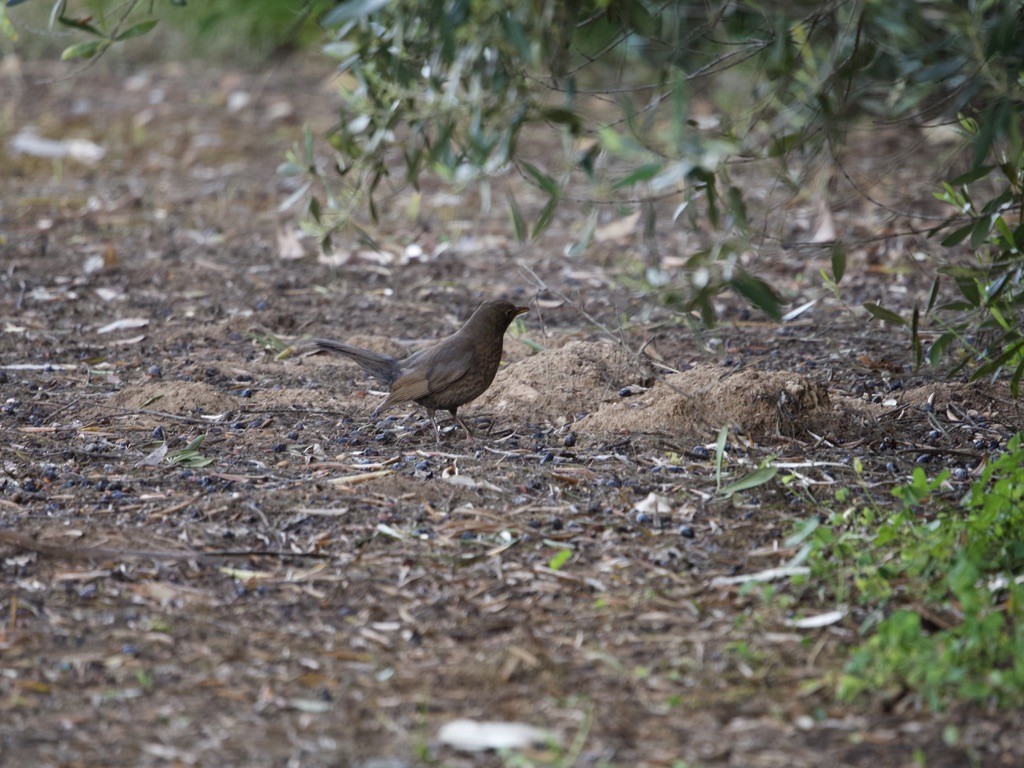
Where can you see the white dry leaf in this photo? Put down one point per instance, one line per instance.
(817, 621)
(124, 324)
(93, 264)
(279, 109)
(155, 457)
(310, 706)
(480, 736)
(110, 294)
(334, 258)
(770, 574)
(237, 101)
(824, 224)
(127, 342)
(618, 229)
(413, 252)
(288, 246)
(468, 482)
(382, 258)
(654, 505)
(28, 143)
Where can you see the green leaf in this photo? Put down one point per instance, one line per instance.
(915, 337)
(580, 244)
(939, 347)
(518, 223)
(838, 261)
(560, 558)
(755, 479)
(350, 10)
(783, 145)
(545, 217)
(723, 436)
(137, 30)
(991, 367)
(933, 296)
(307, 146)
(564, 117)
(980, 232)
(803, 531)
(541, 179)
(189, 456)
(645, 172)
(957, 236)
(84, 26)
(969, 288)
(737, 207)
(758, 293)
(883, 314)
(6, 28)
(972, 175)
(83, 50)
(1015, 379)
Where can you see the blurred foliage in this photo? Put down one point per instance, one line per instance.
(467, 90)
(449, 88)
(240, 29)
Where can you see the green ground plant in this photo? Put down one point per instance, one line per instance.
(938, 585)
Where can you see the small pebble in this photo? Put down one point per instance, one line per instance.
(158, 433)
(155, 371)
(686, 532)
(547, 458)
(959, 474)
(279, 448)
(700, 452)
(632, 389)
(293, 435)
(569, 440)
(557, 524)
(924, 458)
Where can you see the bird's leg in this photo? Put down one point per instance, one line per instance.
(437, 432)
(469, 435)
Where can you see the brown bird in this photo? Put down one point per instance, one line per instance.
(446, 375)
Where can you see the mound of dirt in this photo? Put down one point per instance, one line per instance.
(180, 397)
(561, 385)
(760, 404)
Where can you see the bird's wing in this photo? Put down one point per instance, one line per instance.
(433, 370)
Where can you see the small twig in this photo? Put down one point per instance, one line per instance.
(21, 541)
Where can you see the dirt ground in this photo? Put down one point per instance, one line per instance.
(310, 586)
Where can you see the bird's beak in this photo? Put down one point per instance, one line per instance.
(520, 310)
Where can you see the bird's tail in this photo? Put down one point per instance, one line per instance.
(382, 367)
